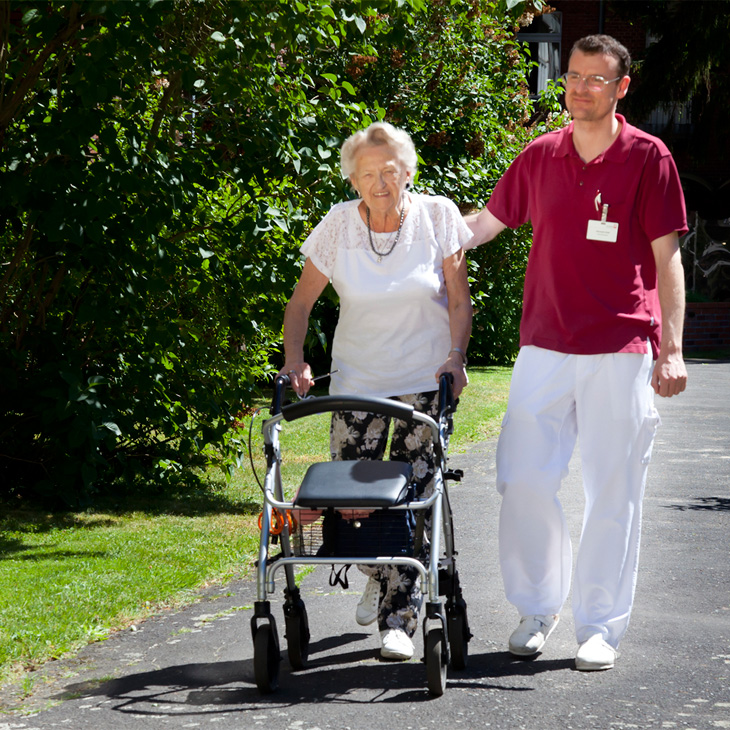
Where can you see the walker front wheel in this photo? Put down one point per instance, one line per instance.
(436, 662)
(266, 658)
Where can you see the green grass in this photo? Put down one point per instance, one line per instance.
(481, 406)
(70, 579)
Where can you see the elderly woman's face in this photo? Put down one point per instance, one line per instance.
(380, 177)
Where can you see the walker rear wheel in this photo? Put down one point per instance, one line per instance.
(458, 639)
(297, 638)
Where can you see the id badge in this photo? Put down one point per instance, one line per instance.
(603, 230)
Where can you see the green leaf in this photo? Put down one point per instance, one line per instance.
(112, 427)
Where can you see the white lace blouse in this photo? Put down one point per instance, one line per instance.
(393, 333)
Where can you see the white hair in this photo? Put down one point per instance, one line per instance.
(379, 133)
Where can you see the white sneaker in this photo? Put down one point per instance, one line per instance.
(396, 644)
(532, 633)
(367, 608)
(595, 654)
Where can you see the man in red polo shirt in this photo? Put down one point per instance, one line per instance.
(601, 332)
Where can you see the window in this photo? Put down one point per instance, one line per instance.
(673, 118)
(543, 37)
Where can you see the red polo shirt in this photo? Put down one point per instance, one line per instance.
(584, 296)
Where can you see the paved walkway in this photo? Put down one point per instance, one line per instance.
(194, 668)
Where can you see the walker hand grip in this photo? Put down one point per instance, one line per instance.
(447, 404)
(281, 383)
(330, 403)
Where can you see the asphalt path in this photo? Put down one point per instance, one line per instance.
(194, 668)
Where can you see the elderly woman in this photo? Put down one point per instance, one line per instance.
(394, 258)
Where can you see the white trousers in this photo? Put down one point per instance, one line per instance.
(607, 402)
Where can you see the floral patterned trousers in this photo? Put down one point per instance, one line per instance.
(360, 435)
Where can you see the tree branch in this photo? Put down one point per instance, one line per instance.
(33, 68)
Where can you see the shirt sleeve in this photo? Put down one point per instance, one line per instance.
(321, 244)
(452, 231)
(661, 200)
(510, 201)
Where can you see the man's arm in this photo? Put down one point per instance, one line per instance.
(670, 373)
(484, 227)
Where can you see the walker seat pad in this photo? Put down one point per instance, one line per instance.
(365, 483)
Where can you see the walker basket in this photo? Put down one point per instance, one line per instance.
(349, 533)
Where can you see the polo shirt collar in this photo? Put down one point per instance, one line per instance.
(618, 152)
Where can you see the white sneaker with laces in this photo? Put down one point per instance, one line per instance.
(367, 608)
(595, 654)
(396, 644)
(532, 633)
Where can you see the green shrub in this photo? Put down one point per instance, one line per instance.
(160, 164)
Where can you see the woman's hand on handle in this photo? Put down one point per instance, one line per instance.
(455, 365)
(300, 376)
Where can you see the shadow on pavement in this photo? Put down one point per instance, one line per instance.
(704, 504)
(210, 688)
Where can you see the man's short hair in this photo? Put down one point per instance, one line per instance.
(604, 44)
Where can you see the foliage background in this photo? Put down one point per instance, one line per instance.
(160, 164)
(680, 67)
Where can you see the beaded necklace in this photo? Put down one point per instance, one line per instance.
(380, 254)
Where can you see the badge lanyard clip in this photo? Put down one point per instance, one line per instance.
(603, 208)
(602, 230)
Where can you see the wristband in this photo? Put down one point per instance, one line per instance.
(461, 352)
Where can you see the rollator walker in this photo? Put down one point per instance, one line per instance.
(359, 513)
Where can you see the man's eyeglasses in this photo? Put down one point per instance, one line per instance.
(594, 82)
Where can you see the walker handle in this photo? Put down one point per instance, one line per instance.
(330, 403)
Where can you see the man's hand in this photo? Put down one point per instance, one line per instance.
(670, 375)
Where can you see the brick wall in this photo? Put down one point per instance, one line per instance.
(706, 326)
(581, 18)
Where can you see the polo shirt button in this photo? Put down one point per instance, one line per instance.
(581, 183)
